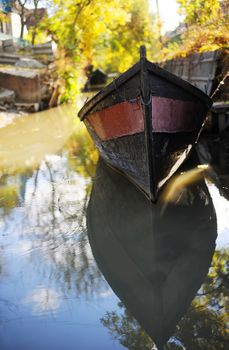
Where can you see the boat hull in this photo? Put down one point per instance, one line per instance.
(127, 154)
(145, 124)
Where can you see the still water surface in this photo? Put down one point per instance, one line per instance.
(53, 295)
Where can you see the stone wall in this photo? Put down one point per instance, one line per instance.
(25, 84)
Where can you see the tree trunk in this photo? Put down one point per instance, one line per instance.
(22, 30)
(34, 34)
(22, 25)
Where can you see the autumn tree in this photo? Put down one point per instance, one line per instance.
(118, 47)
(36, 17)
(206, 27)
(21, 9)
(28, 9)
(105, 34)
(199, 11)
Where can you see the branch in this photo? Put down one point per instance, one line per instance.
(220, 84)
(80, 8)
(22, 4)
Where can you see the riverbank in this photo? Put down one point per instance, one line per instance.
(28, 86)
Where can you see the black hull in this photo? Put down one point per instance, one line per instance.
(171, 110)
(127, 155)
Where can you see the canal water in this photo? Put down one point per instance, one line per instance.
(83, 254)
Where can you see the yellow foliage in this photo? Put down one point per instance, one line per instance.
(207, 28)
(106, 34)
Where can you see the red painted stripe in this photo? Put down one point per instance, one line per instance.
(175, 115)
(126, 118)
(122, 119)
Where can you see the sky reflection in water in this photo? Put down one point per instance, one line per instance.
(52, 294)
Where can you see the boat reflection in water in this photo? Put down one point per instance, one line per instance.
(155, 257)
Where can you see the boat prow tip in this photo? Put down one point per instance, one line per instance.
(142, 51)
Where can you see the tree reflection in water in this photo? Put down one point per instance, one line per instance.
(52, 191)
(55, 203)
(204, 326)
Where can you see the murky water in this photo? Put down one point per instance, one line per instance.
(156, 259)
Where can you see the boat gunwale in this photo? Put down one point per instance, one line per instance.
(172, 78)
(108, 89)
(153, 68)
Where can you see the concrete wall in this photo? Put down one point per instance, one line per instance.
(25, 84)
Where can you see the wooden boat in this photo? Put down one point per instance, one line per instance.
(145, 123)
(154, 262)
